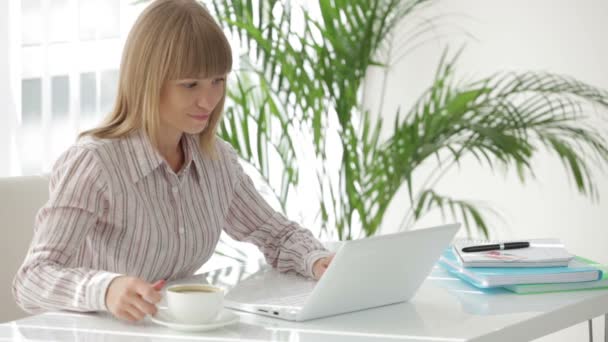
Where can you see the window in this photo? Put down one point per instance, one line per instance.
(69, 57)
(60, 97)
(31, 96)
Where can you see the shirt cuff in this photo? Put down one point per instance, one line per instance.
(97, 289)
(311, 258)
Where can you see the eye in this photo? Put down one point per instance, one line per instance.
(189, 85)
(218, 80)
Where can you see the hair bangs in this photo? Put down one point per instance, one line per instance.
(200, 50)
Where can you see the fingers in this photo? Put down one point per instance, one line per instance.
(321, 272)
(325, 265)
(124, 315)
(146, 291)
(327, 260)
(159, 284)
(321, 266)
(324, 262)
(132, 313)
(143, 306)
(142, 298)
(131, 298)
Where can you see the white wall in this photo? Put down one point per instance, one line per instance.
(561, 36)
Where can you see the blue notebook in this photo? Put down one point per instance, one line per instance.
(485, 277)
(585, 285)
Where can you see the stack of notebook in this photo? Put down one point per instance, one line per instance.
(545, 266)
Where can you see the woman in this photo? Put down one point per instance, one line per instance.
(144, 197)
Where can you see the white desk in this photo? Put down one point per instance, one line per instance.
(444, 309)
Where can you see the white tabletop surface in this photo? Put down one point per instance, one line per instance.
(444, 309)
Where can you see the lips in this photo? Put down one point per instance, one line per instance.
(201, 117)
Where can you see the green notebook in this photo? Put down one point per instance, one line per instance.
(602, 283)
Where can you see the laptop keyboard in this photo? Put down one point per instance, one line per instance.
(272, 290)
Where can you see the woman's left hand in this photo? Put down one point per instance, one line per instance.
(320, 266)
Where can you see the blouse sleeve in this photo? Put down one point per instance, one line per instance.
(46, 280)
(285, 244)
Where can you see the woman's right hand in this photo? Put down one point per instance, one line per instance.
(131, 298)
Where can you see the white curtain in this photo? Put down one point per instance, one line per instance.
(8, 110)
(59, 64)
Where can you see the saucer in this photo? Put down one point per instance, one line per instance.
(164, 317)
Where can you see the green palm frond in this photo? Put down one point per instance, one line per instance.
(504, 119)
(248, 126)
(468, 211)
(305, 76)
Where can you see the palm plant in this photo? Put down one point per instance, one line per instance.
(304, 73)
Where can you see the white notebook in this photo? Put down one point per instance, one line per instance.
(541, 253)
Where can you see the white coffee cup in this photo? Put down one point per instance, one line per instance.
(194, 303)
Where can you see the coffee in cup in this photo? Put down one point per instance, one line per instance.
(194, 303)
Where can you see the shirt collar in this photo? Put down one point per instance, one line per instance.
(145, 158)
(192, 153)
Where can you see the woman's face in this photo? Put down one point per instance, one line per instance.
(186, 104)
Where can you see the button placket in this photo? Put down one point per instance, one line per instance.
(178, 209)
(179, 224)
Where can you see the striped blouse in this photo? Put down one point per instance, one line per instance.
(117, 208)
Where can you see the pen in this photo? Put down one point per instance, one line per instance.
(498, 246)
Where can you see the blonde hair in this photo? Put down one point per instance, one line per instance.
(171, 39)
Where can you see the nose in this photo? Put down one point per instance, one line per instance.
(204, 103)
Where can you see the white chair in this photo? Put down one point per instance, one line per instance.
(20, 199)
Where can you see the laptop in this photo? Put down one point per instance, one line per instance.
(365, 273)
